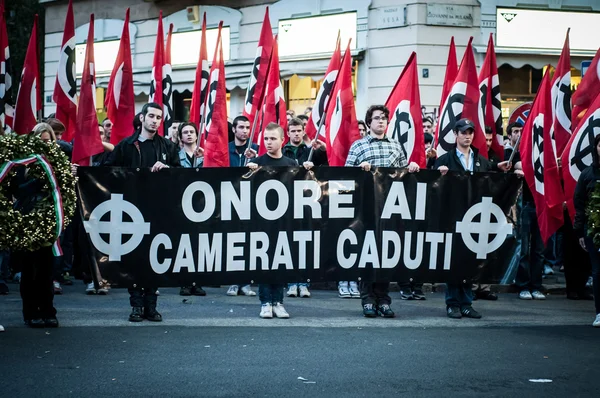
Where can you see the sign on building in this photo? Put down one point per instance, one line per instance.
(391, 17)
(449, 15)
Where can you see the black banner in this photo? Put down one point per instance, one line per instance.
(230, 226)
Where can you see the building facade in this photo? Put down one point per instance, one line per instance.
(528, 34)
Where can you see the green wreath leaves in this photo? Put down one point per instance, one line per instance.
(37, 228)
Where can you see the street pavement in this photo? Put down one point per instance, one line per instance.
(217, 346)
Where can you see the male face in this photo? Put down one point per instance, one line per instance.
(488, 140)
(362, 130)
(296, 134)
(58, 134)
(464, 138)
(379, 123)
(102, 133)
(151, 121)
(173, 129)
(241, 130)
(273, 141)
(107, 125)
(514, 135)
(427, 127)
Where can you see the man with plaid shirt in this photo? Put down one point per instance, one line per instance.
(377, 150)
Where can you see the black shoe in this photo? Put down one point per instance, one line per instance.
(151, 314)
(369, 311)
(3, 289)
(406, 295)
(419, 295)
(385, 311)
(469, 312)
(35, 323)
(585, 296)
(453, 312)
(185, 291)
(137, 314)
(51, 322)
(485, 295)
(198, 291)
(572, 296)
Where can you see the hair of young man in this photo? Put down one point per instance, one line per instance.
(56, 125)
(373, 108)
(302, 117)
(488, 130)
(182, 125)
(513, 125)
(295, 122)
(148, 106)
(137, 123)
(239, 119)
(274, 126)
(360, 122)
(105, 119)
(428, 119)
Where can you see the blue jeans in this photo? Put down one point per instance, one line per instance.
(459, 295)
(595, 260)
(531, 263)
(298, 284)
(270, 293)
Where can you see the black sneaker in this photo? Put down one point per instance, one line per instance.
(51, 322)
(152, 315)
(469, 312)
(453, 312)
(185, 291)
(419, 295)
(406, 295)
(3, 289)
(198, 291)
(35, 323)
(137, 314)
(369, 311)
(385, 311)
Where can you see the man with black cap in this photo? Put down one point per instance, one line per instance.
(466, 159)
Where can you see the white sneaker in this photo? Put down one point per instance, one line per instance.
(266, 311)
(354, 292)
(2, 327)
(279, 311)
(596, 323)
(304, 291)
(343, 291)
(548, 270)
(525, 295)
(233, 290)
(537, 295)
(590, 282)
(90, 289)
(292, 291)
(247, 291)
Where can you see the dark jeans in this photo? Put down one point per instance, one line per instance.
(4, 265)
(459, 295)
(142, 297)
(554, 251)
(576, 261)
(270, 293)
(531, 263)
(376, 293)
(595, 260)
(37, 290)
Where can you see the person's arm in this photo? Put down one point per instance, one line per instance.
(173, 155)
(353, 159)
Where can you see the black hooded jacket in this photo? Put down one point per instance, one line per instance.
(127, 153)
(584, 188)
(451, 160)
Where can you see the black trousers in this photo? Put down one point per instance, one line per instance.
(376, 293)
(143, 297)
(577, 261)
(37, 291)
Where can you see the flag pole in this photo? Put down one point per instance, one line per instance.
(321, 122)
(512, 155)
(249, 144)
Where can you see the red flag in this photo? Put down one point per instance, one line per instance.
(6, 104)
(451, 72)
(462, 102)
(539, 162)
(28, 97)
(120, 98)
(216, 149)
(167, 85)
(489, 88)
(406, 120)
(341, 127)
(578, 151)
(587, 90)
(274, 106)
(65, 88)
(560, 132)
(156, 85)
(200, 91)
(258, 77)
(322, 100)
(87, 142)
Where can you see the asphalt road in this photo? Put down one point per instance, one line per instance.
(218, 347)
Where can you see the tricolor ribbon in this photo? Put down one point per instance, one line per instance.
(56, 196)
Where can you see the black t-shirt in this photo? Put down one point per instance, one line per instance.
(241, 149)
(148, 153)
(266, 160)
(527, 195)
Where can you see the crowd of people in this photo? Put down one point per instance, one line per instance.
(569, 248)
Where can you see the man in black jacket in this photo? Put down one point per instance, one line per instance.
(459, 297)
(145, 148)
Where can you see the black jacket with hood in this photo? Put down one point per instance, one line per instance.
(451, 160)
(127, 152)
